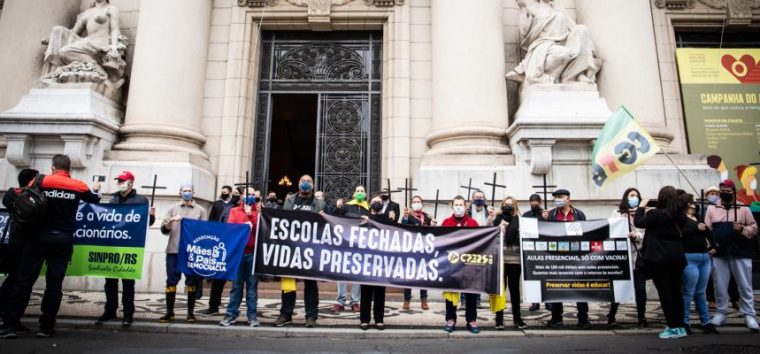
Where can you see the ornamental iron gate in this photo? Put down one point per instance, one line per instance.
(344, 70)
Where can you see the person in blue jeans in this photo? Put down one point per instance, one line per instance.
(245, 213)
(699, 246)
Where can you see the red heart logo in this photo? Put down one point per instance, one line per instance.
(745, 69)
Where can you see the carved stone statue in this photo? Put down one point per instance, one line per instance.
(93, 51)
(557, 50)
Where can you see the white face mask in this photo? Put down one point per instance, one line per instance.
(122, 187)
(753, 184)
(458, 211)
(416, 206)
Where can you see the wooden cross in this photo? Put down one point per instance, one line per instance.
(493, 188)
(545, 191)
(702, 205)
(470, 188)
(387, 190)
(247, 183)
(153, 189)
(406, 189)
(437, 201)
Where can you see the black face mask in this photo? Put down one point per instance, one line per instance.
(377, 206)
(726, 197)
(507, 209)
(536, 208)
(272, 199)
(384, 197)
(224, 196)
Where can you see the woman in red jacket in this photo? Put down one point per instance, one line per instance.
(460, 219)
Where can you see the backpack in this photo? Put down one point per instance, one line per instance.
(28, 207)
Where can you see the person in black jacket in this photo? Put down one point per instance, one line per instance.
(536, 212)
(391, 209)
(15, 242)
(565, 211)
(370, 293)
(664, 255)
(126, 194)
(508, 220)
(417, 217)
(52, 244)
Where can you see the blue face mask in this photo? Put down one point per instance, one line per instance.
(304, 186)
(633, 202)
(187, 196)
(250, 200)
(713, 199)
(559, 203)
(479, 202)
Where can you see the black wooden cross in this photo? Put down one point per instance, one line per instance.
(438, 201)
(387, 189)
(545, 191)
(470, 188)
(153, 189)
(493, 188)
(247, 183)
(406, 189)
(702, 205)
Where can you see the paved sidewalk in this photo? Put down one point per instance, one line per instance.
(80, 308)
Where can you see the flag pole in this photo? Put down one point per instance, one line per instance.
(679, 170)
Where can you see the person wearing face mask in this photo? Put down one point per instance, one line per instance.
(733, 228)
(479, 210)
(508, 220)
(459, 218)
(220, 212)
(126, 194)
(391, 209)
(187, 208)
(373, 293)
(627, 209)
(415, 216)
(245, 213)
(748, 178)
(563, 212)
(304, 200)
(356, 207)
(699, 246)
(712, 195)
(271, 201)
(537, 212)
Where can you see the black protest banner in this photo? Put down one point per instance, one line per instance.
(307, 245)
(576, 261)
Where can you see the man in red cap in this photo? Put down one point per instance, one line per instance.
(733, 228)
(125, 194)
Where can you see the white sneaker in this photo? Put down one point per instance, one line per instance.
(751, 323)
(227, 321)
(718, 320)
(254, 322)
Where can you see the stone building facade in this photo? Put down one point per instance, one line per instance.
(423, 82)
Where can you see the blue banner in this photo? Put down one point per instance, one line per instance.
(211, 249)
(109, 240)
(114, 225)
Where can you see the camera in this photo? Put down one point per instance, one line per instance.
(98, 178)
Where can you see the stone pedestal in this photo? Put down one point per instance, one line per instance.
(552, 114)
(72, 119)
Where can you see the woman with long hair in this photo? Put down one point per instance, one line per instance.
(629, 203)
(699, 246)
(664, 255)
(508, 220)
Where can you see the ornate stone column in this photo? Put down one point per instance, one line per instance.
(168, 72)
(23, 24)
(469, 91)
(631, 74)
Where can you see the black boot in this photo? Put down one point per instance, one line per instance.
(171, 296)
(190, 303)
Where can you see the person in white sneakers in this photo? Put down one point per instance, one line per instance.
(733, 228)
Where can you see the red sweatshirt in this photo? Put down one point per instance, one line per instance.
(465, 221)
(237, 216)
